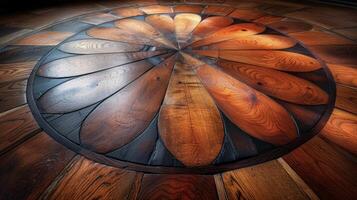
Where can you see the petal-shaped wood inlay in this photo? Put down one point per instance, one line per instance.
(252, 111)
(119, 35)
(184, 25)
(123, 116)
(143, 29)
(281, 60)
(246, 14)
(291, 26)
(230, 32)
(255, 42)
(93, 46)
(89, 89)
(277, 84)
(211, 25)
(84, 64)
(163, 23)
(189, 122)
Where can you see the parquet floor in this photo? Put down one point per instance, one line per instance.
(186, 99)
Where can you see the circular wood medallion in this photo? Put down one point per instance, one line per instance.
(165, 91)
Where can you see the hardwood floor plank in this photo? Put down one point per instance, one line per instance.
(16, 125)
(155, 186)
(156, 9)
(275, 59)
(91, 180)
(246, 14)
(89, 89)
(217, 10)
(84, 64)
(320, 38)
(336, 54)
(344, 74)
(327, 16)
(12, 94)
(329, 173)
(264, 41)
(13, 54)
(98, 18)
(268, 19)
(341, 129)
(346, 98)
(221, 191)
(290, 26)
(250, 110)
(127, 12)
(264, 181)
(31, 167)
(188, 9)
(230, 32)
(15, 71)
(44, 38)
(118, 113)
(275, 83)
(189, 122)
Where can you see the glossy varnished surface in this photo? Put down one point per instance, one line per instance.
(322, 168)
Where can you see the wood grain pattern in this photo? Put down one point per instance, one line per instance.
(257, 182)
(246, 14)
(344, 74)
(250, 110)
(99, 18)
(31, 167)
(163, 23)
(188, 9)
(341, 129)
(121, 118)
(329, 173)
(143, 29)
(264, 41)
(93, 46)
(268, 19)
(84, 64)
(320, 38)
(86, 90)
(217, 10)
(90, 180)
(45, 38)
(189, 122)
(155, 186)
(230, 32)
(211, 25)
(336, 54)
(15, 71)
(12, 94)
(127, 12)
(16, 125)
(275, 83)
(346, 98)
(120, 35)
(291, 26)
(280, 60)
(156, 9)
(185, 23)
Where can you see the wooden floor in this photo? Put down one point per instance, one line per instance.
(33, 165)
